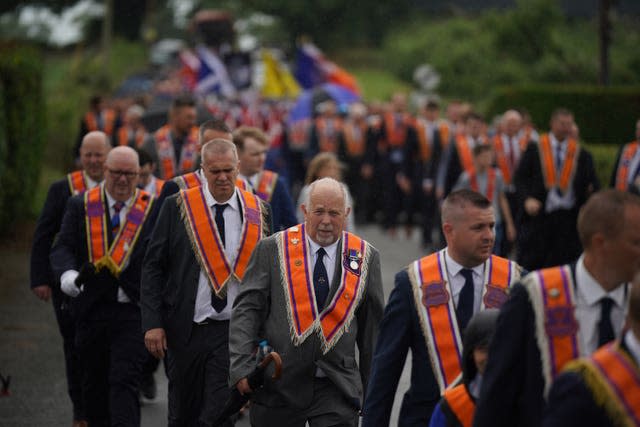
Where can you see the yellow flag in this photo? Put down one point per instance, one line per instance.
(278, 80)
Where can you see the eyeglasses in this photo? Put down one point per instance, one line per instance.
(126, 174)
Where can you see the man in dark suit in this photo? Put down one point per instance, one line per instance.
(330, 300)
(198, 252)
(98, 257)
(93, 153)
(208, 131)
(557, 314)
(626, 169)
(555, 178)
(603, 390)
(252, 145)
(429, 307)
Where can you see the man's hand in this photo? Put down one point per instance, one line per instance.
(532, 206)
(156, 342)
(366, 171)
(243, 387)
(43, 292)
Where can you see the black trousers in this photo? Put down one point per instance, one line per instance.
(198, 376)
(111, 346)
(73, 366)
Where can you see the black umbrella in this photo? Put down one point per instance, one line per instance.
(236, 401)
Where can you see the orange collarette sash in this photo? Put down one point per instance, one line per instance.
(114, 257)
(77, 182)
(491, 183)
(188, 180)
(622, 174)
(327, 133)
(614, 382)
(551, 292)
(159, 186)
(464, 154)
(551, 177)
(396, 130)
(166, 152)
(302, 311)
(205, 240)
(108, 123)
(266, 185)
(354, 138)
(243, 184)
(425, 143)
(505, 166)
(436, 310)
(461, 404)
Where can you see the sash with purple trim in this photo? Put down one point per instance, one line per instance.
(113, 257)
(77, 182)
(188, 180)
(551, 292)
(205, 240)
(626, 158)
(614, 382)
(436, 310)
(266, 184)
(302, 311)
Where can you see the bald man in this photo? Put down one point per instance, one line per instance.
(98, 258)
(93, 153)
(314, 316)
(432, 301)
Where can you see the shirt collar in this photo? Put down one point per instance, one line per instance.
(253, 179)
(111, 201)
(590, 289)
(633, 344)
(232, 202)
(454, 267)
(330, 250)
(90, 182)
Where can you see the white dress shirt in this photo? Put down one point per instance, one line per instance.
(67, 280)
(232, 234)
(588, 296)
(556, 200)
(329, 262)
(329, 259)
(152, 186)
(454, 271)
(633, 344)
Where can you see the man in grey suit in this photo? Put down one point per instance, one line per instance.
(199, 251)
(286, 298)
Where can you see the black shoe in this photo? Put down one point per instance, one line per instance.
(148, 387)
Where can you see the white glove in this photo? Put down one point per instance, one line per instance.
(68, 283)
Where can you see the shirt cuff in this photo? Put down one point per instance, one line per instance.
(68, 283)
(122, 297)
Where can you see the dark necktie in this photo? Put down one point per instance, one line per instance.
(115, 219)
(219, 304)
(465, 300)
(558, 158)
(605, 328)
(320, 279)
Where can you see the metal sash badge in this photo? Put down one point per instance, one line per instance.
(353, 261)
(434, 294)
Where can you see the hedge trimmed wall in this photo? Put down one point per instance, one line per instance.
(22, 130)
(604, 114)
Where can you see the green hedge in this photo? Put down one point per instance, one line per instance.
(604, 114)
(22, 130)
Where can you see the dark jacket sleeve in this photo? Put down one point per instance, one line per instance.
(69, 251)
(571, 404)
(47, 227)
(614, 172)
(394, 341)
(283, 212)
(512, 385)
(155, 272)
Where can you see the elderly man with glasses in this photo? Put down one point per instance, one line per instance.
(98, 258)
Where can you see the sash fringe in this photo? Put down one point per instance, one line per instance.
(601, 392)
(184, 216)
(364, 273)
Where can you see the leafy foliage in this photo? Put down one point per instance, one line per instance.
(22, 130)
